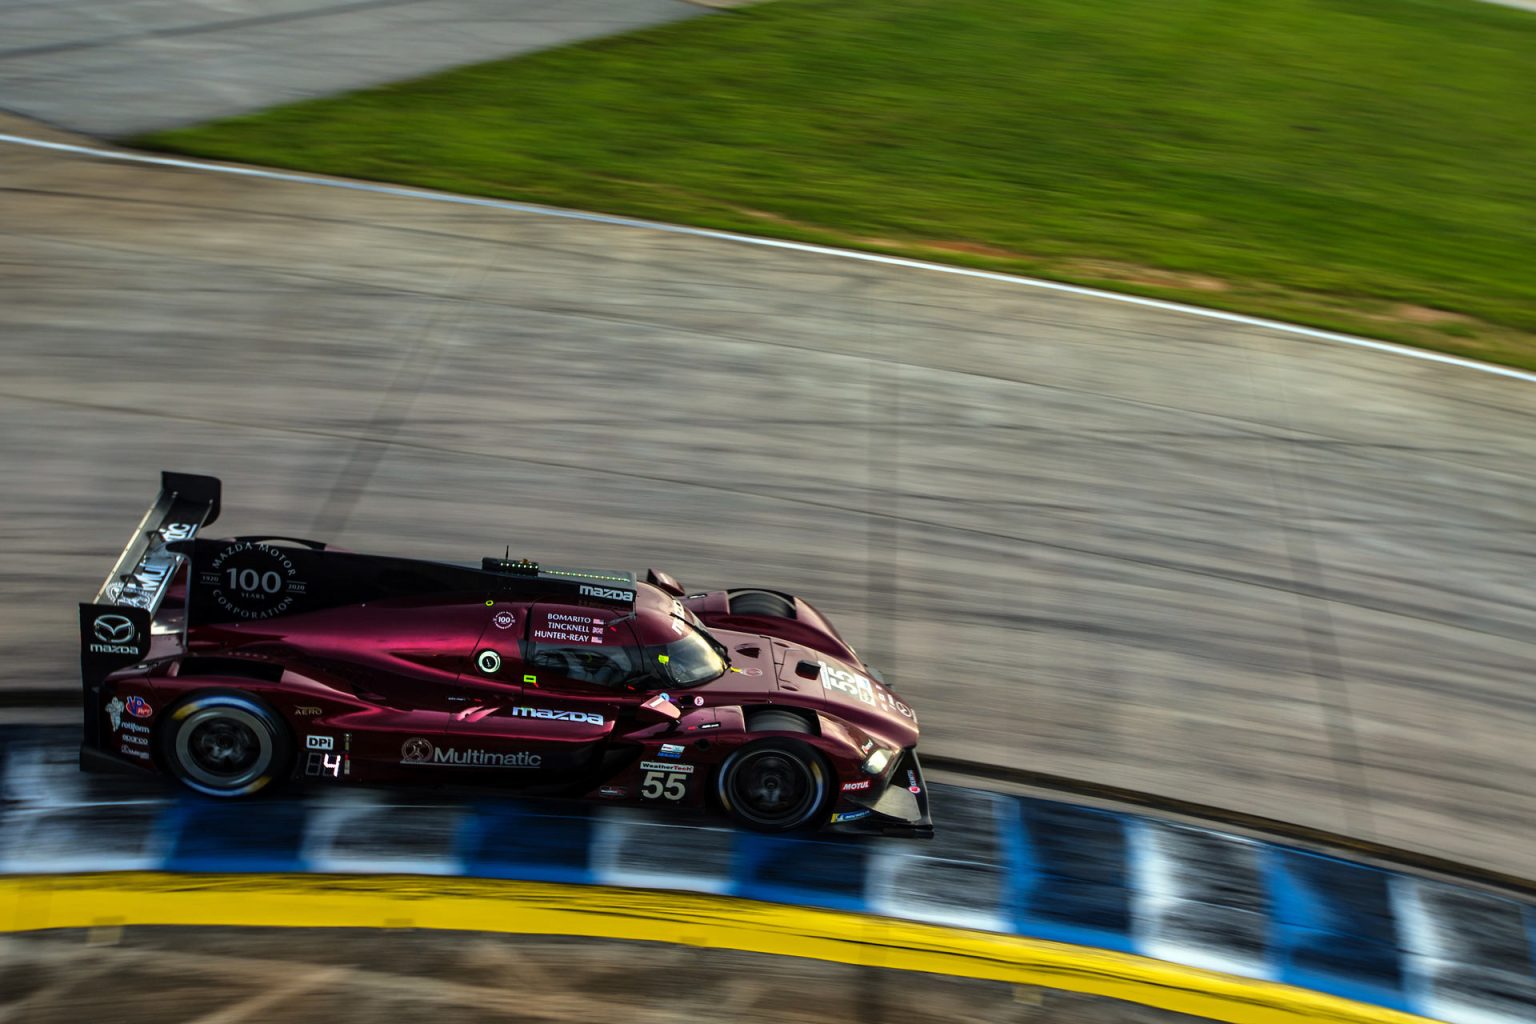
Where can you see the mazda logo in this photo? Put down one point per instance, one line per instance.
(416, 749)
(114, 629)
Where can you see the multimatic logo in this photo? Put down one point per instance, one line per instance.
(253, 581)
(139, 588)
(607, 593)
(421, 751)
(115, 635)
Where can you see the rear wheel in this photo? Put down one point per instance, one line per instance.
(225, 745)
(775, 785)
(761, 602)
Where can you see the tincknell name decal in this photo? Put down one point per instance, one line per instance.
(253, 581)
(567, 628)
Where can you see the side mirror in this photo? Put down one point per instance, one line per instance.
(659, 709)
(666, 581)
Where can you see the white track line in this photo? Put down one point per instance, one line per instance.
(775, 243)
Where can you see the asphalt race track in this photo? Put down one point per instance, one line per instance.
(115, 68)
(1137, 546)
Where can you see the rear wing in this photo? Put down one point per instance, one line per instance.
(115, 625)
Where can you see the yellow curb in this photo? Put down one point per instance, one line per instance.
(34, 902)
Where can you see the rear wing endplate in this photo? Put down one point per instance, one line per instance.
(115, 625)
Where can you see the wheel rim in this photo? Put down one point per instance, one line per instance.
(223, 748)
(774, 787)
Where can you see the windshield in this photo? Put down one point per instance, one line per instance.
(690, 659)
(607, 667)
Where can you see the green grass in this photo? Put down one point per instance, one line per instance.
(1365, 165)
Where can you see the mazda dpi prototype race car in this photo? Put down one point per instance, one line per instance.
(237, 664)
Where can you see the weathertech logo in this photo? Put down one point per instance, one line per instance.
(607, 594)
(116, 635)
(420, 751)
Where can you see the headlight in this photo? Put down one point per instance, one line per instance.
(877, 762)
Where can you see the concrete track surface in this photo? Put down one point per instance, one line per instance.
(1137, 546)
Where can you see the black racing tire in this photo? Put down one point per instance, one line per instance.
(775, 785)
(761, 602)
(774, 720)
(226, 744)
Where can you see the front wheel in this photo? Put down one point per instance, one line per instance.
(225, 745)
(775, 786)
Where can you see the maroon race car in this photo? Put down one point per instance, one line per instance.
(240, 663)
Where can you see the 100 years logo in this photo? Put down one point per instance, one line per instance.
(253, 580)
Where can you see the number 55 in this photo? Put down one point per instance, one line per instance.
(656, 785)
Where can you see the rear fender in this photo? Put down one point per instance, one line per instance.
(808, 627)
(121, 714)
